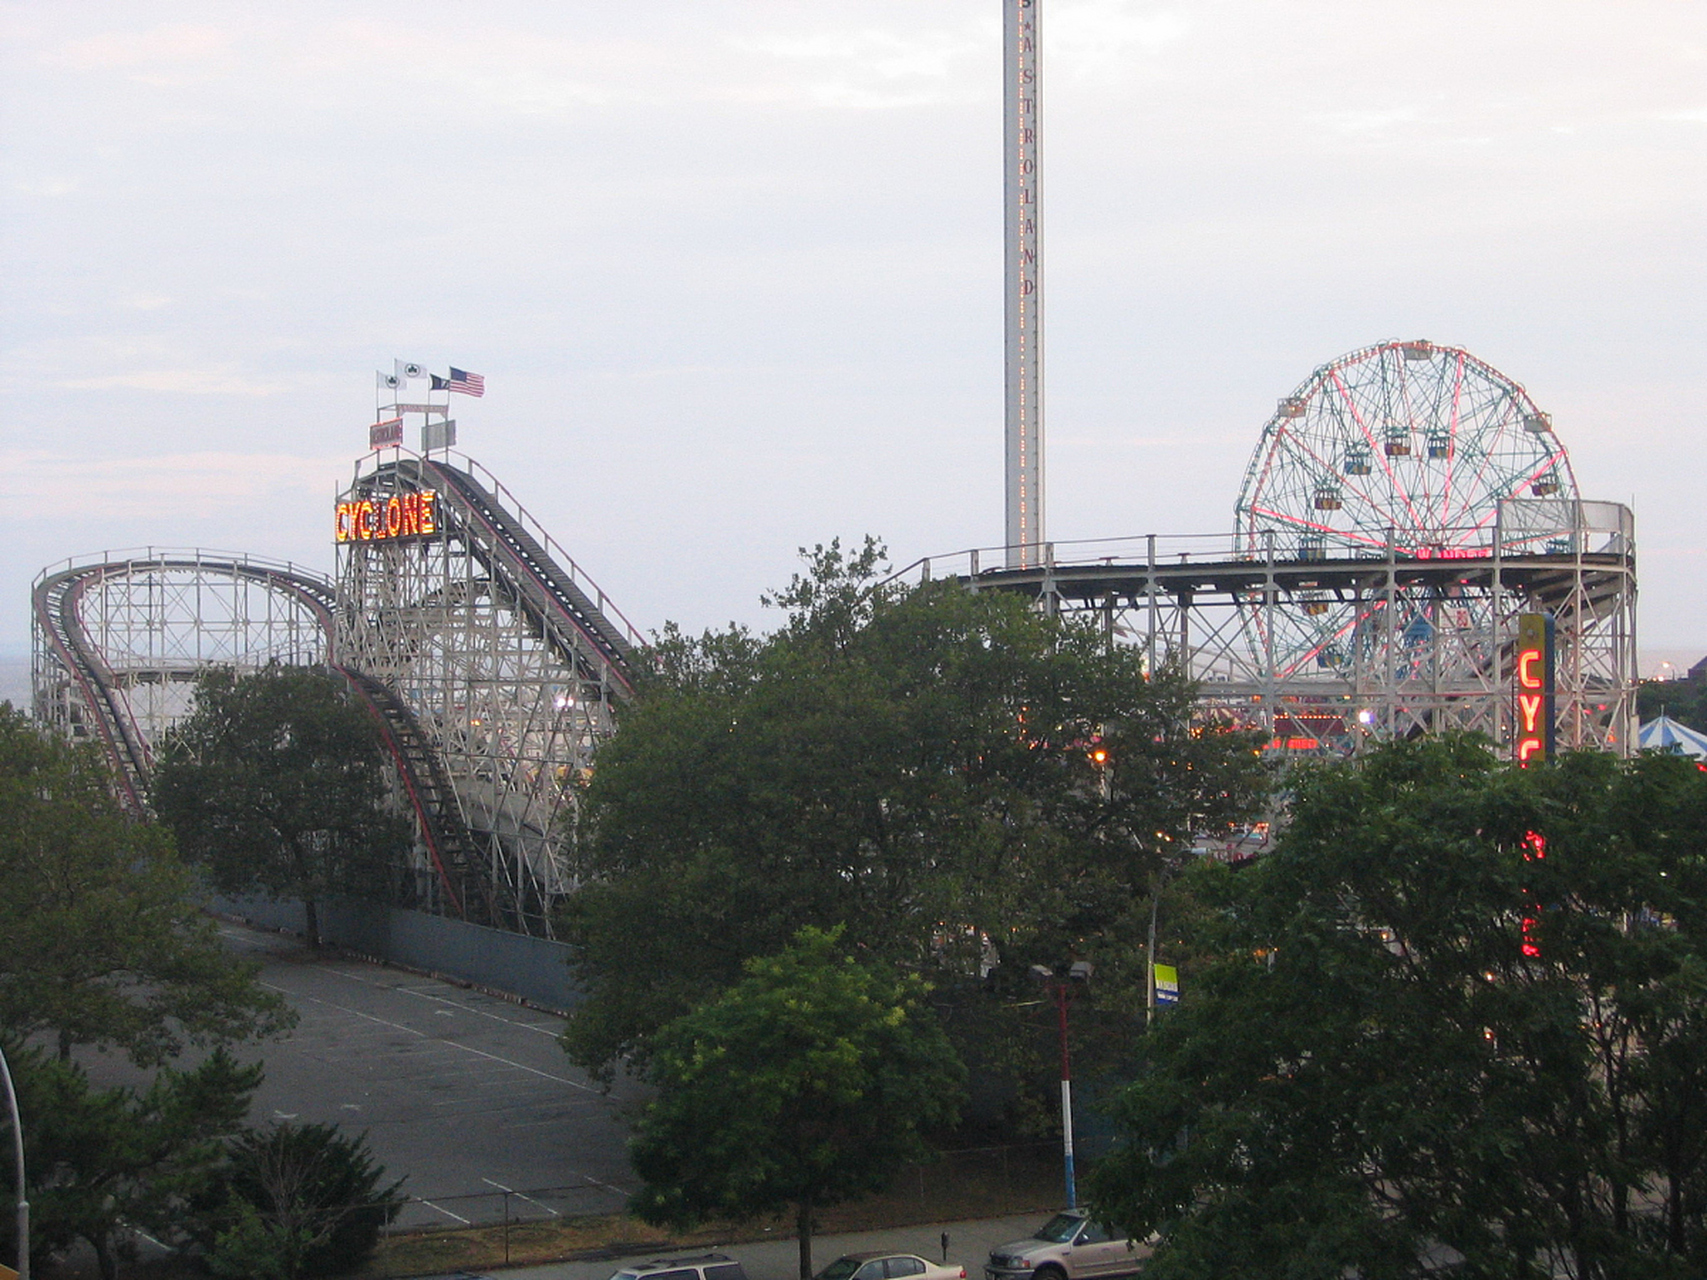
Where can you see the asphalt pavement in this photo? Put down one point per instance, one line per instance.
(469, 1096)
(466, 1094)
(969, 1243)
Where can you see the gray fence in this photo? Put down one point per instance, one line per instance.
(533, 969)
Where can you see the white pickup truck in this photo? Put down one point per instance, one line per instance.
(1070, 1246)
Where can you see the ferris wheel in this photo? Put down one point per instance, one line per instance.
(1405, 445)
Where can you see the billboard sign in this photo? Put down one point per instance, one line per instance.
(438, 435)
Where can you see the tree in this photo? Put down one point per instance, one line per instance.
(105, 940)
(105, 1163)
(916, 764)
(1456, 1023)
(275, 781)
(1684, 700)
(294, 1200)
(809, 1081)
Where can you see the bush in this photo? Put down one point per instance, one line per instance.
(296, 1200)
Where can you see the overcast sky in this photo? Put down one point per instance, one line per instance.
(733, 272)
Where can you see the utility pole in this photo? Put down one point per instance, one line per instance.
(1061, 985)
(1022, 191)
(18, 1169)
(1062, 996)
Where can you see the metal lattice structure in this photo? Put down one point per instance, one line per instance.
(1402, 443)
(120, 639)
(1403, 507)
(498, 648)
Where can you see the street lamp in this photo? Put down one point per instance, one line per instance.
(1062, 988)
(18, 1161)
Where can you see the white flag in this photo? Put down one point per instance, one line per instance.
(387, 381)
(407, 369)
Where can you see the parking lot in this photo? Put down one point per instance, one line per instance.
(465, 1093)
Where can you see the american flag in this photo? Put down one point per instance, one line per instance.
(470, 384)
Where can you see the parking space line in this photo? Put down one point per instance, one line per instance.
(447, 1213)
(449, 1044)
(607, 1186)
(423, 994)
(518, 1195)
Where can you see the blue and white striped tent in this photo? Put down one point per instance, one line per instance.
(1662, 733)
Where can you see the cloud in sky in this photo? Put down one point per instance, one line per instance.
(37, 485)
(192, 382)
(734, 273)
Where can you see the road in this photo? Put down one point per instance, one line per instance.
(969, 1244)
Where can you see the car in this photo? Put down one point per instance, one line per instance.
(888, 1266)
(706, 1266)
(1070, 1246)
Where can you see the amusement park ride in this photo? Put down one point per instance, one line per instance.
(1406, 507)
(1406, 513)
(1409, 555)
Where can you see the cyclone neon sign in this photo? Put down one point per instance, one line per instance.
(1533, 681)
(402, 515)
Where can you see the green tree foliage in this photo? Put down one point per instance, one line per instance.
(1683, 700)
(105, 943)
(105, 1163)
(916, 764)
(275, 782)
(1433, 1044)
(294, 1200)
(809, 1081)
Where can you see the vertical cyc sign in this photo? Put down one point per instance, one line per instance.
(1533, 681)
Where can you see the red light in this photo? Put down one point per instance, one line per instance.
(1534, 846)
(1526, 677)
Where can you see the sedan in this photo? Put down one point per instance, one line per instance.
(888, 1266)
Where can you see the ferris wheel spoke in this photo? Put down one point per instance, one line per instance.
(1490, 489)
(1453, 419)
(1323, 638)
(1378, 452)
(1481, 486)
(1301, 522)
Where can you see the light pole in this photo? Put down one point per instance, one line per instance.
(1062, 989)
(18, 1169)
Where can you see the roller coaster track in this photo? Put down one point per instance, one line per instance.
(58, 598)
(58, 601)
(431, 796)
(544, 581)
